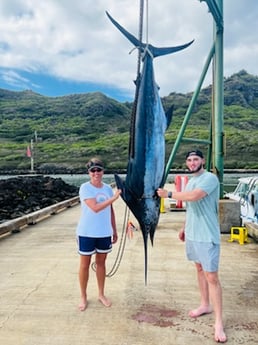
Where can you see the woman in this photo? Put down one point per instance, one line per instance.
(96, 230)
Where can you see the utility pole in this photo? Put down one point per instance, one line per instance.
(31, 151)
(31, 156)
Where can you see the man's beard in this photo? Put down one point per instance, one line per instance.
(196, 170)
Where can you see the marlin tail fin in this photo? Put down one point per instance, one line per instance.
(155, 51)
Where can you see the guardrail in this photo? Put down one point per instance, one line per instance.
(16, 225)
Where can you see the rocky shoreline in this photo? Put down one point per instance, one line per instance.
(107, 171)
(25, 194)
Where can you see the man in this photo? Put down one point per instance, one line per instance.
(201, 233)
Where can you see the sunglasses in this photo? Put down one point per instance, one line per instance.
(96, 170)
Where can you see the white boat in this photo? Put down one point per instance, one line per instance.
(246, 192)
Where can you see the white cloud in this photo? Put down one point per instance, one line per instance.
(15, 79)
(75, 40)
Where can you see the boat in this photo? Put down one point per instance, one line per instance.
(246, 192)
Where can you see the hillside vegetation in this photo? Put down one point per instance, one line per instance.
(71, 129)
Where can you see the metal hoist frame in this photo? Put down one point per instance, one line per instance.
(215, 142)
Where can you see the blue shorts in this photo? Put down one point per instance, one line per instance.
(92, 245)
(204, 253)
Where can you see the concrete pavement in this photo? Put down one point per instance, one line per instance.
(39, 291)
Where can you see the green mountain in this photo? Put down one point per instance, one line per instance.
(71, 129)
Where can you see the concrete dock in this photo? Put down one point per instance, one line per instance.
(39, 290)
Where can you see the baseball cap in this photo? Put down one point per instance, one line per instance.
(194, 153)
(94, 164)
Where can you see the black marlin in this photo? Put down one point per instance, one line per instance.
(146, 161)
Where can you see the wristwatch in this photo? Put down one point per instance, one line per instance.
(169, 195)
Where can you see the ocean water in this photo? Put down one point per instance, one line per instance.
(230, 179)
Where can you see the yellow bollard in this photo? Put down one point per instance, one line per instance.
(162, 206)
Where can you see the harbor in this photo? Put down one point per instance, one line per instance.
(40, 289)
(38, 251)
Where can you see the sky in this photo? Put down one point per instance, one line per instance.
(62, 47)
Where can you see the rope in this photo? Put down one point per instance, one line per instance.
(121, 248)
(126, 217)
(131, 148)
(147, 23)
(140, 36)
(137, 82)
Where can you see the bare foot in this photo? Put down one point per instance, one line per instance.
(83, 305)
(220, 336)
(200, 311)
(105, 301)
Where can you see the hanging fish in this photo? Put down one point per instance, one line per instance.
(146, 161)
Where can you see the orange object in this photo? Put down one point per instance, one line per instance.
(180, 183)
(130, 229)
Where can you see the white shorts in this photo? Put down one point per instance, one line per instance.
(205, 253)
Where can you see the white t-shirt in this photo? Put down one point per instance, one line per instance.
(94, 224)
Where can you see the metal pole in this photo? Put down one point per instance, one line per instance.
(31, 157)
(219, 99)
(35, 149)
(189, 112)
(216, 9)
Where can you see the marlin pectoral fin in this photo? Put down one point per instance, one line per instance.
(169, 114)
(120, 184)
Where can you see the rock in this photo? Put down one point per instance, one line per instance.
(25, 194)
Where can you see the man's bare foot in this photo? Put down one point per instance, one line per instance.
(200, 311)
(83, 305)
(105, 301)
(220, 336)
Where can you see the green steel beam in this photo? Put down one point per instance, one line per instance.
(215, 157)
(199, 141)
(218, 104)
(189, 112)
(216, 12)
